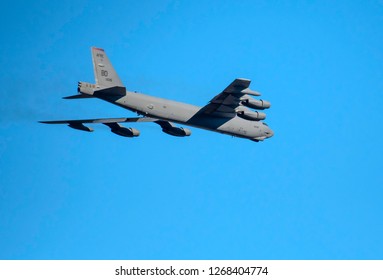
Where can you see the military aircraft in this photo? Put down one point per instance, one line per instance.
(226, 113)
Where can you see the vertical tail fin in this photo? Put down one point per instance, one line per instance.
(107, 80)
(104, 72)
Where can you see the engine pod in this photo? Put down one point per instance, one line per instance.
(123, 131)
(177, 131)
(255, 104)
(80, 126)
(251, 116)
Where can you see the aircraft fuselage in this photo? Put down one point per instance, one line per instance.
(187, 114)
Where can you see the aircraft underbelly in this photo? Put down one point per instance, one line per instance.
(232, 126)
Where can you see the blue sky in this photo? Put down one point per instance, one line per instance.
(313, 191)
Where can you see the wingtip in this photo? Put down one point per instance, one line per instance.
(98, 49)
(243, 79)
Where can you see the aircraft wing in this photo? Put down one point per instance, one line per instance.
(113, 123)
(115, 127)
(225, 103)
(104, 121)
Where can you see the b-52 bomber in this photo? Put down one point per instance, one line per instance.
(226, 113)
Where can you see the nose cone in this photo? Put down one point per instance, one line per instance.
(269, 133)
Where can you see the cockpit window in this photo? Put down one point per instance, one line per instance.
(265, 124)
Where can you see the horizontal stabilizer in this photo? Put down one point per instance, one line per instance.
(78, 96)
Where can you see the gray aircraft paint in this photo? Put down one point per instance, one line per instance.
(220, 115)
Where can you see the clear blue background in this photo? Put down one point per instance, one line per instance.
(313, 191)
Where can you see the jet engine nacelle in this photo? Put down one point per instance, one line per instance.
(80, 126)
(126, 132)
(177, 131)
(256, 104)
(252, 116)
